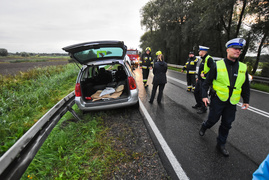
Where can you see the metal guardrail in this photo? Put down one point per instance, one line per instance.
(257, 79)
(15, 161)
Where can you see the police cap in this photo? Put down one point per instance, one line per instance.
(238, 43)
(203, 48)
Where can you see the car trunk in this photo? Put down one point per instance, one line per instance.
(104, 83)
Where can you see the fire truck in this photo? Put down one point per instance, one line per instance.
(134, 57)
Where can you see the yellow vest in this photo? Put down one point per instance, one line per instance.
(206, 68)
(221, 83)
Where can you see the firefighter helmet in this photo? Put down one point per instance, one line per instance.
(158, 53)
(148, 49)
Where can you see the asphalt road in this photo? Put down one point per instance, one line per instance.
(179, 124)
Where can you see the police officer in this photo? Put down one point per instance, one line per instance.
(190, 66)
(146, 64)
(230, 80)
(205, 65)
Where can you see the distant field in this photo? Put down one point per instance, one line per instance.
(16, 64)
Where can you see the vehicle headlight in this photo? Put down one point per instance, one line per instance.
(250, 78)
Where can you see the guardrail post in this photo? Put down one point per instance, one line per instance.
(70, 109)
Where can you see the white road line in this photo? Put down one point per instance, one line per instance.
(177, 80)
(171, 157)
(253, 109)
(259, 91)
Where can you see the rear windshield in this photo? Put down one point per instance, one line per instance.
(100, 53)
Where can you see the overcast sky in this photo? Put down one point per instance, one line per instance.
(46, 26)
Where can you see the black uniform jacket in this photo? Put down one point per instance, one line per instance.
(210, 64)
(159, 71)
(232, 68)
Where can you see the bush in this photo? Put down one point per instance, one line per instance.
(265, 70)
(3, 52)
(24, 54)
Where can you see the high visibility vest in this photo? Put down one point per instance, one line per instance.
(221, 83)
(206, 68)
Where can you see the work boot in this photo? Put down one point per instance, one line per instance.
(196, 106)
(223, 150)
(202, 110)
(188, 90)
(145, 85)
(202, 130)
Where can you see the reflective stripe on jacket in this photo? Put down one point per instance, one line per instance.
(206, 68)
(222, 83)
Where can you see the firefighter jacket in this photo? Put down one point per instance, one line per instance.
(146, 61)
(230, 81)
(190, 65)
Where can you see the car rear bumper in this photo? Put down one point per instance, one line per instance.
(107, 104)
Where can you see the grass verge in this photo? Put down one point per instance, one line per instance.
(28, 96)
(259, 86)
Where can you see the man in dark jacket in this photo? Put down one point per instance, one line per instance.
(230, 81)
(159, 79)
(146, 63)
(190, 67)
(205, 65)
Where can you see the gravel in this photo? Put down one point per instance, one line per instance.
(128, 125)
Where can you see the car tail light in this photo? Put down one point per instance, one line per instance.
(132, 84)
(78, 90)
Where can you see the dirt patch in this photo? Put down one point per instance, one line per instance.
(130, 132)
(15, 68)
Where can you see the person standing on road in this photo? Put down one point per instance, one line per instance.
(230, 81)
(159, 79)
(205, 65)
(190, 67)
(146, 64)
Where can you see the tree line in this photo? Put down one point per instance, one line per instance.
(178, 26)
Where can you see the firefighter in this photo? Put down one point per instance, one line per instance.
(190, 66)
(146, 63)
(230, 81)
(205, 65)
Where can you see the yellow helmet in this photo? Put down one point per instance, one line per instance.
(158, 53)
(148, 49)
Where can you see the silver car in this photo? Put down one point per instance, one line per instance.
(105, 80)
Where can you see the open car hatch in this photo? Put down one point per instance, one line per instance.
(97, 50)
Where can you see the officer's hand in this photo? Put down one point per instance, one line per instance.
(206, 101)
(181, 70)
(245, 106)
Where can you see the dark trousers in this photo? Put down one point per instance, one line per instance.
(191, 81)
(198, 94)
(226, 111)
(153, 93)
(145, 73)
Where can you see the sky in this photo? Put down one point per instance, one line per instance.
(46, 26)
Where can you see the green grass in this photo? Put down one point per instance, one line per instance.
(77, 150)
(28, 96)
(175, 69)
(74, 149)
(259, 86)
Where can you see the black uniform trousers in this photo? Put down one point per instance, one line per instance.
(145, 73)
(198, 94)
(154, 89)
(191, 80)
(226, 111)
